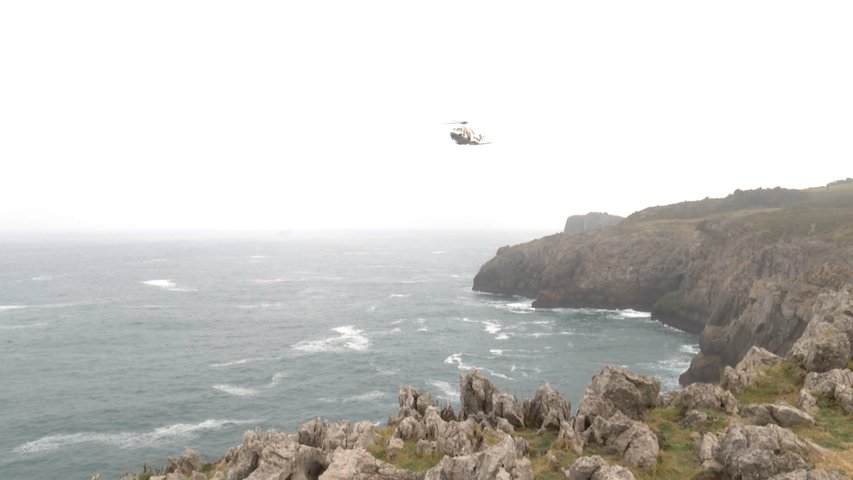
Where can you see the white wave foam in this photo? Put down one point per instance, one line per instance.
(437, 252)
(515, 307)
(456, 359)
(42, 278)
(692, 348)
(448, 392)
(269, 280)
(276, 379)
(4, 308)
(244, 361)
(21, 327)
(502, 336)
(496, 352)
(629, 313)
(492, 327)
(124, 439)
(261, 306)
(236, 391)
(258, 257)
(423, 329)
(399, 295)
(349, 338)
(166, 284)
(364, 397)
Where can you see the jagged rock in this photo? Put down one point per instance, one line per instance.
(175, 476)
(187, 463)
(412, 404)
(825, 383)
(434, 425)
(809, 475)
(271, 456)
(395, 447)
(198, 476)
(710, 397)
(844, 397)
(506, 407)
(807, 402)
(614, 389)
(216, 476)
(503, 425)
(590, 221)
(359, 464)
(328, 436)
(760, 452)
(96, 476)
(827, 342)
(668, 399)
(693, 418)
(737, 379)
(476, 392)
(707, 443)
(499, 461)
(822, 347)
(426, 447)
(409, 429)
(621, 435)
(777, 414)
(447, 413)
(568, 437)
(548, 409)
(596, 468)
(459, 438)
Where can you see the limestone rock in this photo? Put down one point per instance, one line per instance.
(359, 464)
(395, 447)
(707, 444)
(409, 429)
(737, 379)
(328, 436)
(198, 476)
(590, 221)
(825, 383)
(458, 439)
(412, 404)
(569, 438)
(822, 347)
(844, 397)
(760, 452)
(617, 390)
(631, 439)
(434, 424)
(176, 476)
(596, 468)
(507, 408)
(693, 418)
(476, 393)
(710, 397)
(807, 402)
(187, 463)
(498, 461)
(777, 414)
(548, 409)
(426, 448)
(809, 475)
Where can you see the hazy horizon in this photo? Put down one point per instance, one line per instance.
(330, 115)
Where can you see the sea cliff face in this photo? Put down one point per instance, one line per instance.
(740, 271)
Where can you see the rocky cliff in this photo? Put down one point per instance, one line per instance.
(740, 271)
(590, 221)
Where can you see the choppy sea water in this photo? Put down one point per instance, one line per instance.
(118, 353)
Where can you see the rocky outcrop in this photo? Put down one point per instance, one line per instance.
(742, 271)
(757, 453)
(708, 397)
(616, 390)
(596, 468)
(590, 221)
(827, 341)
(186, 464)
(359, 464)
(476, 394)
(835, 385)
(777, 414)
(740, 377)
(322, 434)
(548, 409)
(504, 460)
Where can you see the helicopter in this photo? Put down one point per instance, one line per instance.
(465, 136)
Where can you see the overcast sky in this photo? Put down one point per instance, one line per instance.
(330, 114)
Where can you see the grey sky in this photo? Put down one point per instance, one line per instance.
(329, 114)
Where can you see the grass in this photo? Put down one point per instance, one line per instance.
(782, 381)
(407, 459)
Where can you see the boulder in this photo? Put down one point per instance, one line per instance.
(426, 448)
(844, 397)
(596, 468)
(777, 414)
(737, 379)
(187, 463)
(434, 424)
(693, 418)
(822, 347)
(395, 447)
(569, 438)
(807, 402)
(507, 408)
(633, 440)
(476, 393)
(459, 438)
(409, 429)
(803, 474)
(760, 452)
(617, 390)
(359, 464)
(825, 383)
(709, 397)
(328, 436)
(280, 456)
(412, 404)
(706, 445)
(548, 409)
(500, 461)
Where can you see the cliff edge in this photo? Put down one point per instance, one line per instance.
(740, 271)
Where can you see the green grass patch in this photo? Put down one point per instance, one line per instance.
(407, 458)
(677, 458)
(778, 382)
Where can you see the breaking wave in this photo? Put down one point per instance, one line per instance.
(246, 391)
(348, 338)
(244, 361)
(125, 439)
(166, 284)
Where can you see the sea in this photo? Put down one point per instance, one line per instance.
(117, 353)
